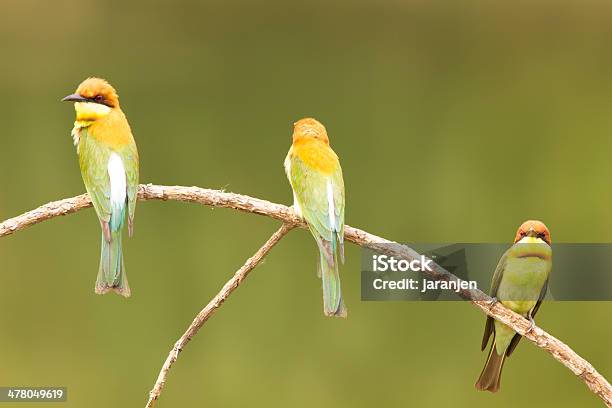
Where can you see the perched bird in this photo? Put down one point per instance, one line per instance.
(519, 283)
(315, 175)
(109, 165)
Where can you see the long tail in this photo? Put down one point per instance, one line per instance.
(333, 305)
(490, 377)
(111, 275)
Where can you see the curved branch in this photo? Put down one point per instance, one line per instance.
(215, 198)
(211, 198)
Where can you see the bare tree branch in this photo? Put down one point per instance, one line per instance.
(227, 289)
(215, 198)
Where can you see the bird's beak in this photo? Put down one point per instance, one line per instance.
(532, 233)
(74, 98)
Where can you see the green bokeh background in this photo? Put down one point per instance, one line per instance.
(454, 121)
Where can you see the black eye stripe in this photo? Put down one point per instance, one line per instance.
(99, 99)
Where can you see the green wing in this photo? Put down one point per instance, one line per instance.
(337, 180)
(129, 155)
(497, 277)
(498, 274)
(93, 160)
(316, 194)
(311, 190)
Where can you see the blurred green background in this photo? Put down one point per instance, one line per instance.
(454, 121)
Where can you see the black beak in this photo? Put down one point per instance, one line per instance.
(75, 98)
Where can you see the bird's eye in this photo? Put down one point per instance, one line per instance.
(99, 98)
(523, 233)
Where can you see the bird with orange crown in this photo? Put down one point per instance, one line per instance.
(315, 176)
(109, 165)
(520, 282)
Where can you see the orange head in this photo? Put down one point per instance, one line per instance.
(533, 228)
(95, 90)
(309, 128)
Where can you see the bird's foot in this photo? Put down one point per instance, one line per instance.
(531, 323)
(493, 302)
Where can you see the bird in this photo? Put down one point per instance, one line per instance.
(315, 176)
(109, 163)
(520, 283)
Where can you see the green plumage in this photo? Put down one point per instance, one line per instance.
(94, 156)
(311, 188)
(520, 282)
(111, 274)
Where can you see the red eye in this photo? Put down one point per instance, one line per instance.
(99, 98)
